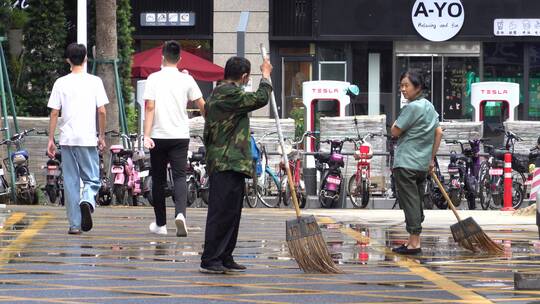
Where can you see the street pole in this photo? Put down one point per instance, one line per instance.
(81, 22)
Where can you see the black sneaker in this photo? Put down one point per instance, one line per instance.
(234, 267)
(86, 216)
(73, 230)
(217, 269)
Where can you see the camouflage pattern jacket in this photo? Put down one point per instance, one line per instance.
(226, 129)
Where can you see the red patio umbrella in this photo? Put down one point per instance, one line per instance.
(149, 61)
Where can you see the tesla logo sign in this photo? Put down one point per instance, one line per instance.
(438, 20)
(494, 92)
(324, 91)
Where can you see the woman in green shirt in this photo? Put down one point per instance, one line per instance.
(419, 136)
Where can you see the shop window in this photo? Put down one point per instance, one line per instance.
(534, 82)
(503, 61)
(333, 70)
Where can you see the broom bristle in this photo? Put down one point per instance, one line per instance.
(312, 255)
(481, 242)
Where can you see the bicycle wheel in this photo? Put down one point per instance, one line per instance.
(191, 192)
(518, 188)
(300, 197)
(455, 196)
(355, 191)
(484, 192)
(271, 190)
(250, 196)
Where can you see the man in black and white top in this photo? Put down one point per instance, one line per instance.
(166, 134)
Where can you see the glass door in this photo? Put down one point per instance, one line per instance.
(448, 81)
(294, 72)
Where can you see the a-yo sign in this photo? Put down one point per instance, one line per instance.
(438, 20)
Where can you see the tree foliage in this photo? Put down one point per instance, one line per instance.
(44, 44)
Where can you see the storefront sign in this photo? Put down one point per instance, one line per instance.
(20, 4)
(438, 20)
(516, 27)
(168, 19)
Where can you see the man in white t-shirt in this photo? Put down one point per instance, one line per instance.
(166, 134)
(79, 96)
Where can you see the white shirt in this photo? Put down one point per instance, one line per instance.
(78, 95)
(171, 90)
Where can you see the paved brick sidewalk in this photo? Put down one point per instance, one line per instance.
(119, 261)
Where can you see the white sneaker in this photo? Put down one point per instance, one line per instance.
(181, 228)
(162, 230)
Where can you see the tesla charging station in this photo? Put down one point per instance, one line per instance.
(323, 98)
(494, 103)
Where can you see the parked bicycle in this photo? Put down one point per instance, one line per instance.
(491, 188)
(104, 195)
(54, 187)
(266, 187)
(295, 155)
(196, 176)
(432, 193)
(463, 171)
(330, 164)
(25, 185)
(359, 184)
(5, 190)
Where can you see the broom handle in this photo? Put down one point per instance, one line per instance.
(436, 179)
(282, 142)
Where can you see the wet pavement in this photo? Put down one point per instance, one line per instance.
(119, 261)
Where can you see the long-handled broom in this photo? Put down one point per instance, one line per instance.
(303, 235)
(467, 233)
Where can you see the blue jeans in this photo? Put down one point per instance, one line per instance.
(79, 163)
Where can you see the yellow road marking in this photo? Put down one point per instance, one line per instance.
(12, 220)
(23, 239)
(442, 282)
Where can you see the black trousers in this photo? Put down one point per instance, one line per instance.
(173, 151)
(223, 219)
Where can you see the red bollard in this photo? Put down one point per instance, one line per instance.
(508, 183)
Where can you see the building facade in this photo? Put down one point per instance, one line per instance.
(370, 43)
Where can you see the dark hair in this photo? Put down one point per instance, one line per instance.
(236, 67)
(171, 51)
(415, 77)
(76, 53)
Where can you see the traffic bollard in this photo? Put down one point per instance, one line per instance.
(507, 182)
(535, 192)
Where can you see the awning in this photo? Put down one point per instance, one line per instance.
(149, 61)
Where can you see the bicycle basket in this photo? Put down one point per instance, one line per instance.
(520, 163)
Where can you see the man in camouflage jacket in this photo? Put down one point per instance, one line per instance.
(228, 160)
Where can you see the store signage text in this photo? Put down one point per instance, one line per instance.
(516, 27)
(324, 90)
(167, 19)
(438, 20)
(494, 92)
(20, 4)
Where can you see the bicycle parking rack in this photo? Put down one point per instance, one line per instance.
(5, 87)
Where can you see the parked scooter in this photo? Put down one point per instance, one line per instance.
(25, 185)
(54, 187)
(330, 164)
(196, 177)
(126, 183)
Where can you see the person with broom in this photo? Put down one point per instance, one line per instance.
(419, 136)
(228, 160)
